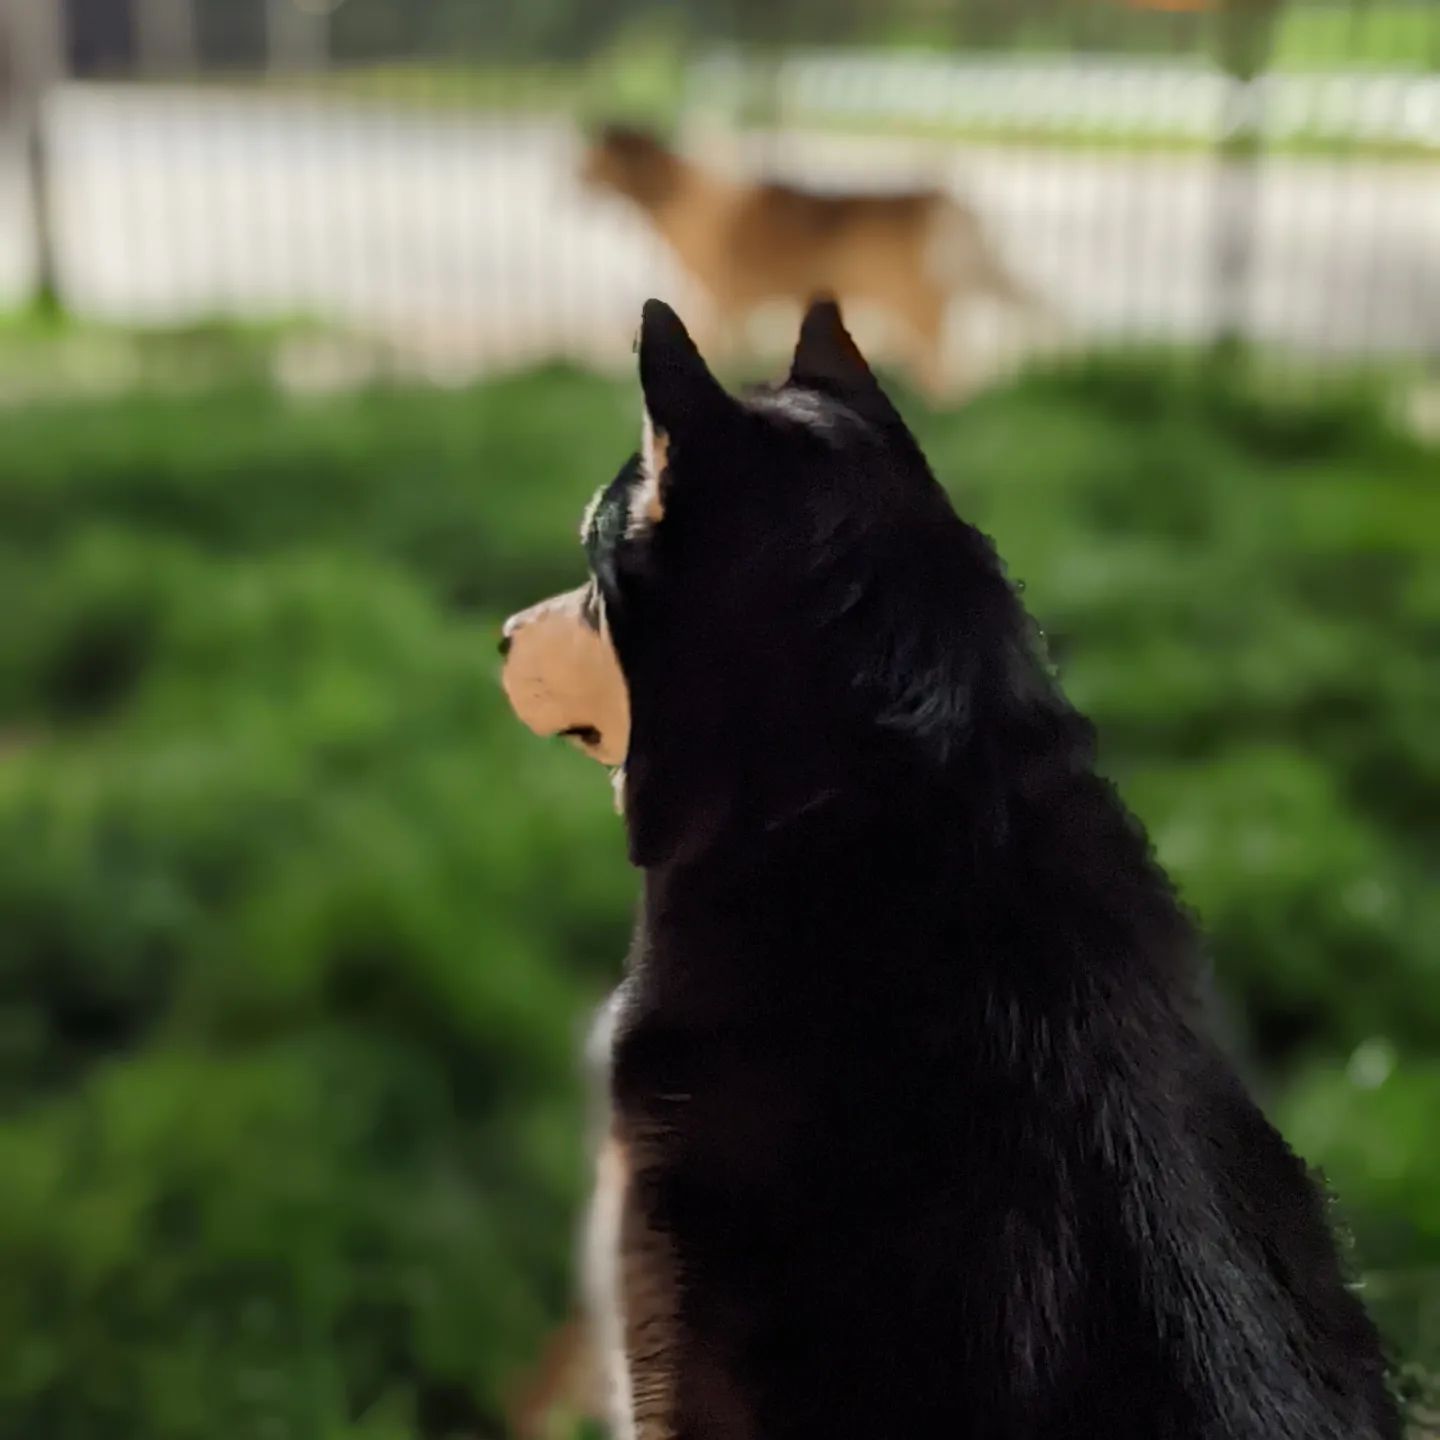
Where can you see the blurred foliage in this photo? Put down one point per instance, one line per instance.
(1310, 34)
(302, 928)
(632, 61)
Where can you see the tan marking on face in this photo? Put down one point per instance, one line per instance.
(562, 674)
(647, 503)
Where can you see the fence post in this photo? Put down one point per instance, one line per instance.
(165, 37)
(1246, 30)
(35, 31)
(297, 35)
(761, 28)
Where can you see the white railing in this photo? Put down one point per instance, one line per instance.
(1088, 94)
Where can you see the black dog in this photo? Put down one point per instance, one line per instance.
(916, 1129)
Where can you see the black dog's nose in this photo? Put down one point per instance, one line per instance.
(504, 646)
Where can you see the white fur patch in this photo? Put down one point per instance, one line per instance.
(604, 1289)
(602, 1259)
(588, 518)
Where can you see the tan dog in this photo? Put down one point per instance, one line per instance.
(745, 244)
(564, 1384)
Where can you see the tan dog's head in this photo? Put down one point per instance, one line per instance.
(629, 162)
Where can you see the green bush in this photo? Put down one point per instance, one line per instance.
(1242, 594)
(301, 928)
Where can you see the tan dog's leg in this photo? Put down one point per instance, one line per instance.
(565, 1383)
(722, 336)
(1040, 323)
(924, 309)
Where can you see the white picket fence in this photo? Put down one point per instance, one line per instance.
(1089, 94)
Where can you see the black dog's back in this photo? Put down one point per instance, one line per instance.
(925, 1132)
(930, 1180)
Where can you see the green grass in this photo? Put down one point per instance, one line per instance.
(44, 354)
(29, 324)
(1093, 139)
(470, 86)
(1379, 33)
(642, 81)
(301, 926)
(1310, 34)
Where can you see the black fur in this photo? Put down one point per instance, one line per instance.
(943, 1146)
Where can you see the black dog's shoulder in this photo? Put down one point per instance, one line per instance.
(942, 1165)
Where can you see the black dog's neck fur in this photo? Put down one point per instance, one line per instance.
(976, 840)
(938, 759)
(904, 726)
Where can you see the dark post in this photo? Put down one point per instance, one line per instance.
(1245, 36)
(759, 25)
(165, 37)
(297, 35)
(34, 33)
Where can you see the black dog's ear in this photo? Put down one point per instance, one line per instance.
(683, 400)
(678, 387)
(828, 359)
